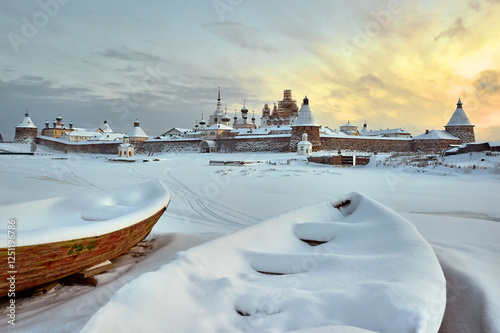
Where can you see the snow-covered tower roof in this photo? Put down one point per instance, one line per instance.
(26, 122)
(459, 118)
(106, 128)
(136, 131)
(305, 117)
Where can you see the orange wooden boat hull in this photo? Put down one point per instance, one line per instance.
(39, 264)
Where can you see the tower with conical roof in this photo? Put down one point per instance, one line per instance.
(305, 123)
(136, 134)
(26, 130)
(460, 125)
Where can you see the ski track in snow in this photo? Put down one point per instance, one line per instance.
(210, 212)
(204, 211)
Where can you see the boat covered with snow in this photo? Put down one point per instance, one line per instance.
(49, 239)
(345, 265)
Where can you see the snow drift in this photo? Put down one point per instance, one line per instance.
(356, 268)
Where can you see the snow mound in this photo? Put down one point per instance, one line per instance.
(86, 215)
(347, 265)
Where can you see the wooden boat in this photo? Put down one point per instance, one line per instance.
(41, 262)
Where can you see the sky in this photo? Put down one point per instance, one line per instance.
(390, 63)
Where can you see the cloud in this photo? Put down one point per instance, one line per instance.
(475, 5)
(130, 55)
(243, 36)
(370, 80)
(487, 83)
(457, 29)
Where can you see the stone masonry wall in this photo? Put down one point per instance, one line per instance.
(312, 136)
(262, 144)
(147, 147)
(152, 147)
(24, 134)
(465, 133)
(279, 144)
(366, 145)
(101, 148)
(432, 146)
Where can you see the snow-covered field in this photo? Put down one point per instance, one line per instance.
(197, 278)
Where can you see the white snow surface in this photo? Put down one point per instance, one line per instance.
(306, 117)
(459, 118)
(454, 209)
(137, 132)
(436, 134)
(376, 264)
(84, 215)
(26, 122)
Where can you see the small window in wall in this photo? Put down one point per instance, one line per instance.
(307, 151)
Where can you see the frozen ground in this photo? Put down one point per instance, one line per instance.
(455, 210)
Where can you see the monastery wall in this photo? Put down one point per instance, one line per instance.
(257, 144)
(273, 144)
(365, 144)
(152, 147)
(111, 148)
(88, 148)
(432, 146)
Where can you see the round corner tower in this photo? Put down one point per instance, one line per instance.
(460, 125)
(305, 123)
(26, 130)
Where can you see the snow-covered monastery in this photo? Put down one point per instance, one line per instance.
(280, 131)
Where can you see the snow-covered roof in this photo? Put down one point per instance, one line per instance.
(459, 118)
(382, 132)
(326, 131)
(136, 132)
(305, 117)
(240, 130)
(219, 126)
(26, 122)
(435, 135)
(208, 143)
(107, 137)
(349, 125)
(494, 144)
(280, 128)
(81, 132)
(106, 128)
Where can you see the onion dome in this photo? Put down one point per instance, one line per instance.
(202, 122)
(226, 118)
